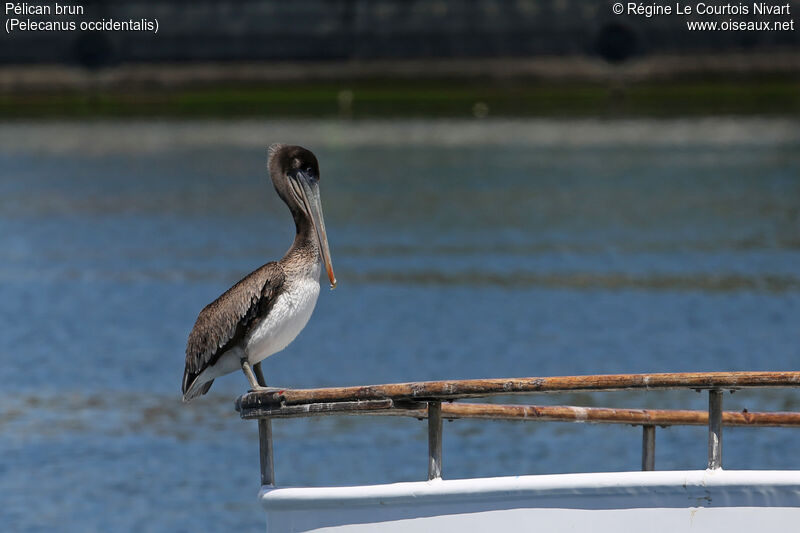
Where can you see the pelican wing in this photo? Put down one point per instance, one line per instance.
(224, 322)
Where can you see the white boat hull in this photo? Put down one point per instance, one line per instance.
(662, 501)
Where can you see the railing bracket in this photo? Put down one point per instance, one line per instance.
(434, 440)
(714, 429)
(648, 447)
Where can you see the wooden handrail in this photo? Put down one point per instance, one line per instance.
(649, 417)
(534, 413)
(425, 398)
(473, 388)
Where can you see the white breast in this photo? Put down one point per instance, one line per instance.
(288, 316)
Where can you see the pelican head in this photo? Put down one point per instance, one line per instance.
(295, 174)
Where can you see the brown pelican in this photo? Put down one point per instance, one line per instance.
(265, 311)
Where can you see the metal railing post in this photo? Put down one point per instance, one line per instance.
(648, 447)
(434, 440)
(714, 429)
(265, 451)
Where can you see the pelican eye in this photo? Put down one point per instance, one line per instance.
(310, 171)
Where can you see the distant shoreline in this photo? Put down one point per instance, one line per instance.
(134, 137)
(568, 68)
(665, 85)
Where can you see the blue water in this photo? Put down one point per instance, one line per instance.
(463, 250)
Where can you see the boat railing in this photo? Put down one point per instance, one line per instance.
(437, 400)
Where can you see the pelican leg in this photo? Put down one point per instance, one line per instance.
(259, 374)
(251, 377)
(248, 372)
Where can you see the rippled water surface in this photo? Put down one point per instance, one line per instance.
(463, 250)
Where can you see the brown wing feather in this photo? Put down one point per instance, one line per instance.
(225, 321)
